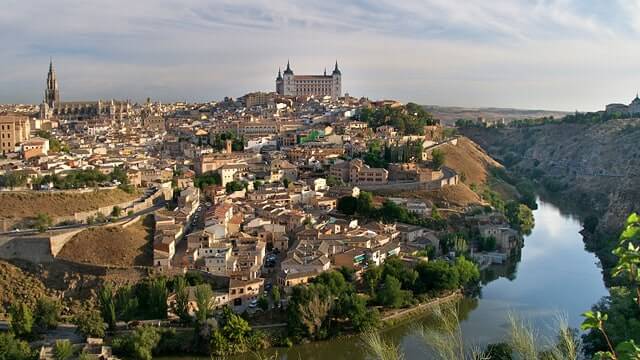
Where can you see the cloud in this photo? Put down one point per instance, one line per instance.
(562, 54)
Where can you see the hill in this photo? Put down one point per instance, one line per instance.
(113, 245)
(26, 204)
(590, 167)
(449, 114)
(472, 163)
(17, 285)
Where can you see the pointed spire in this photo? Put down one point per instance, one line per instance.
(325, 71)
(279, 74)
(288, 70)
(336, 71)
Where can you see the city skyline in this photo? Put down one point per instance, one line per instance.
(561, 55)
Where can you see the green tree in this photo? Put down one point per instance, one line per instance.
(354, 307)
(21, 320)
(107, 305)
(207, 179)
(334, 181)
(89, 323)
(263, 303)
(63, 350)
(275, 295)
(519, 216)
(437, 275)
(235, 328)
(390, 293)
(117, 211)
(371, 278)
(233, 186)
(181, 306)
(13, 179)
(43, 222)
(437, 159)
(12, 348)
(347, 205)
(47, 313)
(615, 337)
(204, 298)
(157, 298)
(468, 271)
(139, 345)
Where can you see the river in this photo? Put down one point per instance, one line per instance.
(555, 276)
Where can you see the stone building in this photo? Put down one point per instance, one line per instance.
(289, 84)
(356, 172)
(79, 110)
(632, 109)
(14, 130)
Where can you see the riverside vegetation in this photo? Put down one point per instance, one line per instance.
(611, 328)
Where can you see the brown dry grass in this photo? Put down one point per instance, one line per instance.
(456, 195)
(28, 204)
(469, 159)
(113, 245)
(17, 286)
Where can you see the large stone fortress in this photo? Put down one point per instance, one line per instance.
(289, 84)
(631, 109)
(78, 110)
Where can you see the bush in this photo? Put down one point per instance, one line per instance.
(63, 350)
(12, 348)
(89, 323)
(436, 276)
(47, 314)
(21, 320)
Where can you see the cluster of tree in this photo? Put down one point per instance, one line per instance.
(437, 159)
(146, 342)
(380, 155)
(524, 187)
(146, 300)
(235, 186)
(519, 216)
(409, 119)
(207, 179)
(388, 212)
(395, 284)
(334, 181)
(327, 306)
(55, 145)
(25, 324)
(219, 141)
(14, 179)
(86, 178)
(233, 335)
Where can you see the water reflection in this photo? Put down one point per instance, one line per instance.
(552, 275)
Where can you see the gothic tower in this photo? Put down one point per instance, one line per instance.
(52, 93)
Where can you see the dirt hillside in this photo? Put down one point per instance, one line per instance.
(17, 285)
(469, 160)
(27, 204)
(113, 245)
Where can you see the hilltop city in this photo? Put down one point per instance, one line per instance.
(236, 225)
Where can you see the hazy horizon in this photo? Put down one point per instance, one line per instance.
(560, 55)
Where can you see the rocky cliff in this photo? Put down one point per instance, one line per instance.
(593, 168)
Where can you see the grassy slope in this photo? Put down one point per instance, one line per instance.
(113, 245)
(28, 204)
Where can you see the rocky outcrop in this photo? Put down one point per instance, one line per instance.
(591, 167)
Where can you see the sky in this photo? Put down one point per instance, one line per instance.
(537, 54)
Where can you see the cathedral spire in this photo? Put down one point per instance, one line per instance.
(51, 93)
